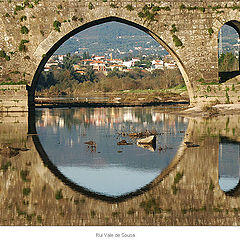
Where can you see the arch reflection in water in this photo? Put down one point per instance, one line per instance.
(229, 164)
(103, 166)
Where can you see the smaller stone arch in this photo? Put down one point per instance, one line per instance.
(235, 24)
(56, 44)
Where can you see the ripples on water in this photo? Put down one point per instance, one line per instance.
(108, 168)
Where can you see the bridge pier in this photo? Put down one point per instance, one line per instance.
(13, 98)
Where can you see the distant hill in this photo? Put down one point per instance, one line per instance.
(122, 40)
(112, 37)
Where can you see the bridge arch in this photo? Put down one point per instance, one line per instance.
(230, 21)
(59, 42)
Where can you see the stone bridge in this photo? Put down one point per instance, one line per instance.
(30, 32)
(29, 184)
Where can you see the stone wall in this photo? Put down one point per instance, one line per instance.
(13, 98)
(187, 29)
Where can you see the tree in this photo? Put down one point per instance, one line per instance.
(86, 55)
(228, 62)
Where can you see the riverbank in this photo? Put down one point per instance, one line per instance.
(212, 111)
(116, 99)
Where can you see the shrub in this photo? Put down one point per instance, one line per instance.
(4, 167)
(129, 7)
(177, 41)
(22, 47)
(112, 5)
(210, 31)
(24, 30)
(4, 55)
(174, 29)
(182, 6)
(59, 194)
(26, 191)
(57, 25)
(23, 18)
(90, 6)
(24, 174)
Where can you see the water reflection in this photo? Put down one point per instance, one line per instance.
(229, 164)
(187, 192)
(107, 167)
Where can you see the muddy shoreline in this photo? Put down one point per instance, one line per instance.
(58, 104)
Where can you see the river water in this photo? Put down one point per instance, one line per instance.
(106, 167)
(66, 167)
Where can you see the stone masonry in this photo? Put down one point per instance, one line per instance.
(32, 30)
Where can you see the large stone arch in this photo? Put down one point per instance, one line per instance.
(51, 44)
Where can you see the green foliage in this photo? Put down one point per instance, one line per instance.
(104, 0)
(191, 8)
(174, 29)
(59, 6)
(177, 41)
(90, 6)
(235, 7)
(129, 7)
(150, 206)
(210, 31)
(227, 62)
(112, 5)
(227, 97)
(24, 174)
(4, 55)
(19, 8)
(74, 18)
(209, 89)
(62, 79)
(6, 166)
(59, 194)
(182, 6)
(22, 47)
(131, 211)
(24, 30)
(14, 83)
(178, 177)
(202, 9)
(7, 15)
(26, 191)
(211, 186)
(23, 18)
(57, 25)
